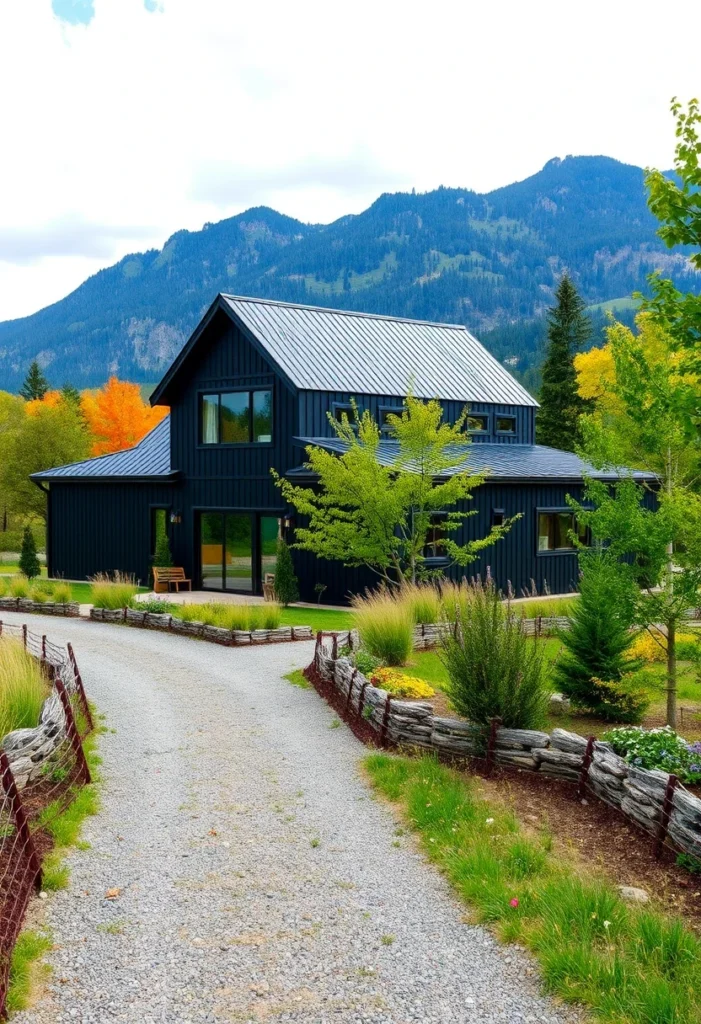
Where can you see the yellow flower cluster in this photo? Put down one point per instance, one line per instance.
(401, 685)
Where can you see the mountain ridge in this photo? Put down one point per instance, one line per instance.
(488, 260)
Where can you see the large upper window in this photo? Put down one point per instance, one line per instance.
(237, 417)
(555, 530)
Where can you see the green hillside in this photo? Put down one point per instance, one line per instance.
(489, 261)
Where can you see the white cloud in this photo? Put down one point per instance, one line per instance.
(156, 116)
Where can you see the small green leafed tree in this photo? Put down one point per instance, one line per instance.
(35, 383)
(364, 512)
(28, 560)
(286, 585)
(595, 667)
(557, 423)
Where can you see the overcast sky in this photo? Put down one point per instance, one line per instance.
(126, 120)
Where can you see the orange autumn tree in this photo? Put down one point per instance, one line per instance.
(117, 416)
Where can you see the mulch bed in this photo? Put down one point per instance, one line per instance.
(600, 837)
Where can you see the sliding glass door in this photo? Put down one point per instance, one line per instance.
(237, 549)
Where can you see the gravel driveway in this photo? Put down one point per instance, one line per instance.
(259, 880)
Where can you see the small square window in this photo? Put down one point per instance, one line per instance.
(383, 417)
(478, 423)
(498, 517)
(435, 538)
(555, 529)
(506, 424)
(339, 411)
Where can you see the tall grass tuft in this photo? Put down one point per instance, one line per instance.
(22, 688)
(537, 607)
(19, 587)
(62, 593)
(454, 598)
(114, 591)
(385, 626)
(246, 617)
(422, 601)
(3, 586)
(494, 670)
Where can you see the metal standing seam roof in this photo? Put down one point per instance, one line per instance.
(502, 461)
(149, 458)
(323, 349)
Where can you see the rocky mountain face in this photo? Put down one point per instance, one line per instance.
(489, 261)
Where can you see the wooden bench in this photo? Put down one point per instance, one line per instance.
(167, 578)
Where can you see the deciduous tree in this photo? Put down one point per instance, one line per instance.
(365, 512)
(117, 416)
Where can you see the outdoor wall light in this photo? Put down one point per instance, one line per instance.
(176, 517)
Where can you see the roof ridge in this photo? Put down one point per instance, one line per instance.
(345, 312)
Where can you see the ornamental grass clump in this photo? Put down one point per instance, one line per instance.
(19, 587)
(657, 748)
(62, 593)
(422, 601)
(23, 689)
(385, 627)
(113, 592)
(494, 669)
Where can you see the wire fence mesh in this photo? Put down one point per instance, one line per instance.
(42, 770)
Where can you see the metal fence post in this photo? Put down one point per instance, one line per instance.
(72, 730)
(81, 689)
(20, 817)
(586, 764)
(665, 816)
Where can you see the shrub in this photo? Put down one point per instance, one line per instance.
(62, 593)
(400, 684)
(22, 688)
(422, 601)
(113, 592)
(385, 628)
(494, 670)
(596, 647)
(365, 662)
(154, 605)
(653, 649)
(286, 583)
(162, 557)
(28, 561)
(657, 748)
(19, 586)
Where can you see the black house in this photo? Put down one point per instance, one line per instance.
(251, 388)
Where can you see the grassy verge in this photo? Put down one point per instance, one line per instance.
(327, 619)
(64, 828)
(629, 965)
(297, 679)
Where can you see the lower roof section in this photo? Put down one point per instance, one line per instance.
(149, 460)
(506, 462)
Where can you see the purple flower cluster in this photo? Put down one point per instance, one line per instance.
(695, 751)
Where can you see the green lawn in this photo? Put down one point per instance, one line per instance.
(318, 618)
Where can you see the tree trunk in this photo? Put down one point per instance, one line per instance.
(672, 673)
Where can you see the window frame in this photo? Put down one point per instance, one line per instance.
(479, 431)
(498, 512)
(250, 390)
(504, 416)
(396, 410)
(435, 559)
(347, 408)
(555, 552)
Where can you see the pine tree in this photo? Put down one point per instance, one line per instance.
(286, 584)
(35, 383)
(28, 561)
(557, 424)
(71, 394)
(595, 659)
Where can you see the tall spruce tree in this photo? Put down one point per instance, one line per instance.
(569, 327)
(35, 383)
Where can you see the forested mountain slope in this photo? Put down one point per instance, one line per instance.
(489, 261)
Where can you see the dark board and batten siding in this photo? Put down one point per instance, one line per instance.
(314, 407)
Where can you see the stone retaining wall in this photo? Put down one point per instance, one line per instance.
(636, 792)
(23, 604)
(215, 634)
(28, 750)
